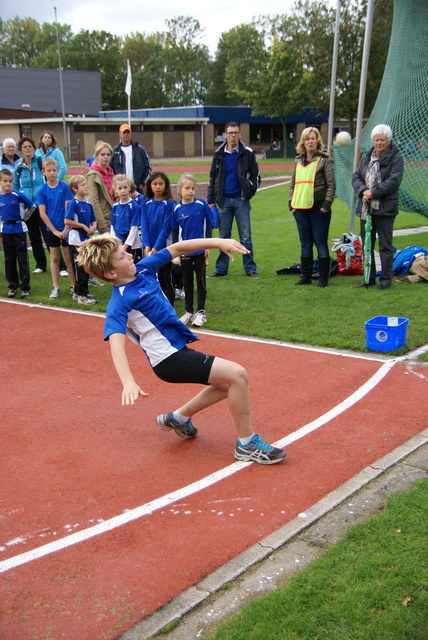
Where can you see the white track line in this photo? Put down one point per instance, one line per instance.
(208, 481)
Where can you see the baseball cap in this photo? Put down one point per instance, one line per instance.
(124, 127)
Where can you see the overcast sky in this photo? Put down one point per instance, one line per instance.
(148, 17)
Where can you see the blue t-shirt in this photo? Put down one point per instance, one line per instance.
(141, 311)
(54, 200)
(83, 212)
(156, 223)
(123, 217)
(195, 220)
(11, 211)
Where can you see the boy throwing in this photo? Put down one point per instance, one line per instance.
(139, 309)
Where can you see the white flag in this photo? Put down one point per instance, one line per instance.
(128, 80)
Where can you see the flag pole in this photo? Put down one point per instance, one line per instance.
(128, 87)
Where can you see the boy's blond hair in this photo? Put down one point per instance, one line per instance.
(74, 182)
(49, 161)
(96, 255)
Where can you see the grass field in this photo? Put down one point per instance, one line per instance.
(272, 307)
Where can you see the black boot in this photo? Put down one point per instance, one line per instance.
(307, 266)
(324, 269)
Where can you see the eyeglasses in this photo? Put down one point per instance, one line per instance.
(232, 133)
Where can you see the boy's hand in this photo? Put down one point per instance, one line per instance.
(228, 245)
(130, 393)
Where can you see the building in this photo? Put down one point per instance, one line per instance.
(32, 104)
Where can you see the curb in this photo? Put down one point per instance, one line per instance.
(199, 593)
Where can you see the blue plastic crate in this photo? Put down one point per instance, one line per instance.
(385, 333)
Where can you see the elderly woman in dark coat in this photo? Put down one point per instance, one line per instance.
(376, 183)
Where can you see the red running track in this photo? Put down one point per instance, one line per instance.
(75, 462)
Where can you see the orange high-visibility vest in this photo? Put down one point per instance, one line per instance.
(303, 195)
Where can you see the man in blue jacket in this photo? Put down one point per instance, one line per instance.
(131, 158)
(234, 178)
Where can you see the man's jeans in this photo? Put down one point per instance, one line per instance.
(240, 210)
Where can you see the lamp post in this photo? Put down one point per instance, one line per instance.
(62, 91)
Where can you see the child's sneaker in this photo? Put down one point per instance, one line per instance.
(179, 294)
(86, 300)
(187, 317)
(11, 293)
(55, 293)
(199, 318)
(166, 422)
(259, 451)
(25, 294)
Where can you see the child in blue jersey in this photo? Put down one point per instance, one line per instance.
(125, 214)
(156, 225)
(139, 309)
(52, 200)
(80, 217)
(194, 219)
(14, 235)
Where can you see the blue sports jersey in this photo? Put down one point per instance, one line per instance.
(141, 311)
(156, 223)
(123, 217)
(195, 220)
(10, 212)
(54, 200)
(83, 212)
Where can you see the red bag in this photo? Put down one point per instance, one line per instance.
(349, 251)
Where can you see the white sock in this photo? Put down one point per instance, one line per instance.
(179, 418)
(245, 441)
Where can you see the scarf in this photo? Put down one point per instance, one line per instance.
(107, 176)
(372, 179)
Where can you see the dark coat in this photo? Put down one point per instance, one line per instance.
(391, 170)
(248, 174)
(140, 160)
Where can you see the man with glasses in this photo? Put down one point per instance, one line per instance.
(234, 178)
(131, 159)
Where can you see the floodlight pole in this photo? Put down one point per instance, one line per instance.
(333, 80)
(363, 83)
(62, 91)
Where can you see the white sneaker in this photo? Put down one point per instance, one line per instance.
(55, 293)
(187, 316)
(63, 273)
(38, 270)
(85, 300)
(179, 294)
(94, 282)
(199, 318)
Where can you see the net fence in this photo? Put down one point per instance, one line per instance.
(402, 103)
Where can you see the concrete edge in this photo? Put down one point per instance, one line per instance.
(195, 595)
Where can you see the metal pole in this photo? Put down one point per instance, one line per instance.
(62, 91)
(333, 80)
(363, 82)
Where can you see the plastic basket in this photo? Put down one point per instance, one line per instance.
(385, 333)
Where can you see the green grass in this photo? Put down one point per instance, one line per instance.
(272, 307)
(373, 585)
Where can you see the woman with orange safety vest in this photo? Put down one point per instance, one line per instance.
(311, 194)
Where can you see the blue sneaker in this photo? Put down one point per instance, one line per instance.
(259, 451)
(166, 422)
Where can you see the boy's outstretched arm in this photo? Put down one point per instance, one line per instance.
(227, 245)
(131, 391)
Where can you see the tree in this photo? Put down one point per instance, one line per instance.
(92, 51)
(186, 62)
